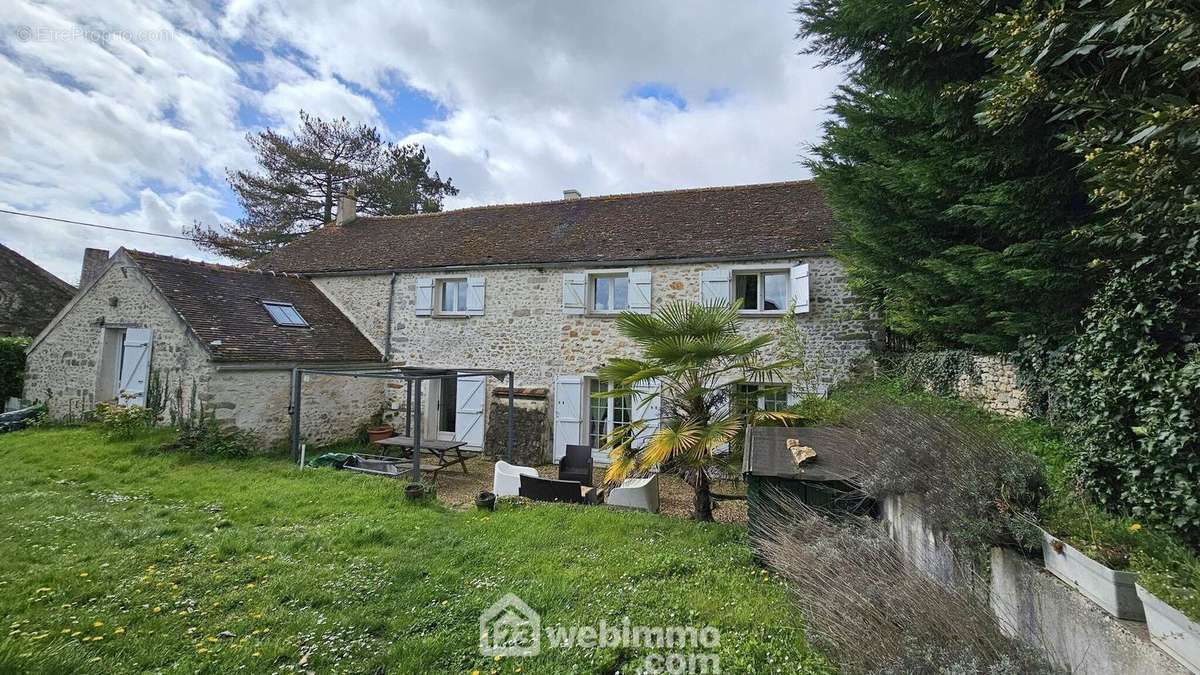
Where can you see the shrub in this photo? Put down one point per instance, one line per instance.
(12, 367)
(978, 488)
(122, 422)
(1132, 400)
(201, 433)
(871, 611)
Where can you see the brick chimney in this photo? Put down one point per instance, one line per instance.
(94, 260)
(347, 208)
(571, 194)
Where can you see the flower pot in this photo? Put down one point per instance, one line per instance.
(485, 501)
(414, 491)
(376, 434)
(1111, 589)
(1171, 630)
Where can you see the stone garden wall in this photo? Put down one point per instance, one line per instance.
(993, 386)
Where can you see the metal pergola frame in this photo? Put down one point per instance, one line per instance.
(409, 375)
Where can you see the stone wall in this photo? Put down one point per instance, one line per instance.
(63, 368)
(523, 327)
(531, 426)
(993, 386)
(332, 407)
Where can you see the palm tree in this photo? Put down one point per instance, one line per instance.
(693, 358)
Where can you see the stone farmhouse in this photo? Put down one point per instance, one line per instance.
(531, 288)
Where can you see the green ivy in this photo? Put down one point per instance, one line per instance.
(938, 372)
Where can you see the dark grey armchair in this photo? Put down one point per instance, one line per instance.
(550, 490)
(576, 464)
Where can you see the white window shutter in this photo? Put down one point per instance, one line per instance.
(135, 366)
(568, 413)
(475, 296)
(647, 409)
(574, 292)
(639, 292)
(468, 415)
(800, 288)
(715, 286)
(424, 304)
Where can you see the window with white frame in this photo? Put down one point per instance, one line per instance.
(608, 292)
(764, 397)
(761, 291)
(606, 414)
(451, 296)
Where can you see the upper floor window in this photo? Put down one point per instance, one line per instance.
(452, 296)
(449, 296)
(285, 314)
(762, 291)
(609, 292)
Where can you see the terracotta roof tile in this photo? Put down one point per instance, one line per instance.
(223, 304)
(740, 221)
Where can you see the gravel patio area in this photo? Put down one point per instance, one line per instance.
(458, 491)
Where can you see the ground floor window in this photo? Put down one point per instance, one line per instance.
(606, 414)
(768, 398)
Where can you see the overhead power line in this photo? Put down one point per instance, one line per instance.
(103, 227)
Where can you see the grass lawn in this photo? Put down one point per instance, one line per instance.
(116, 558)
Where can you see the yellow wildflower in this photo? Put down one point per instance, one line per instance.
(1135, 527)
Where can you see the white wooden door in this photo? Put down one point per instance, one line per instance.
(568, 413)
(468, 413)
(135, 366)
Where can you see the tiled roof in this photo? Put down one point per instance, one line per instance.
(29, 295)
(724, 222)
(223, 306)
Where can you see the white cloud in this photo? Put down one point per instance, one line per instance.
(327, 99)
(536, 97)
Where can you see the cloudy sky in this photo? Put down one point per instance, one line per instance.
(128, 113)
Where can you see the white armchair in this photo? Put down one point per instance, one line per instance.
(635, 493)
(506, 481)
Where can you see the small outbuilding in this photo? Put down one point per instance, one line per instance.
(815, 466)
(231, 335)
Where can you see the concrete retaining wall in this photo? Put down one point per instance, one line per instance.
(1030, 604)
(1036, 608)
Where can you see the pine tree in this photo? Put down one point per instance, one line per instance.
(301, 175)
(958, 236)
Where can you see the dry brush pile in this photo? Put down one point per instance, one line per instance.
(872, 610)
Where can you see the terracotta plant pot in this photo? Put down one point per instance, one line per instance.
(485, 501)
(1171, 630)
(414, 491)
(1113, 590)
(376, 434)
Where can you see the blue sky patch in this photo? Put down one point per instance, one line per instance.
(658, 91)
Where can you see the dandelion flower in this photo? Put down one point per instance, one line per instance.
(1135, 527)
(97, 624)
